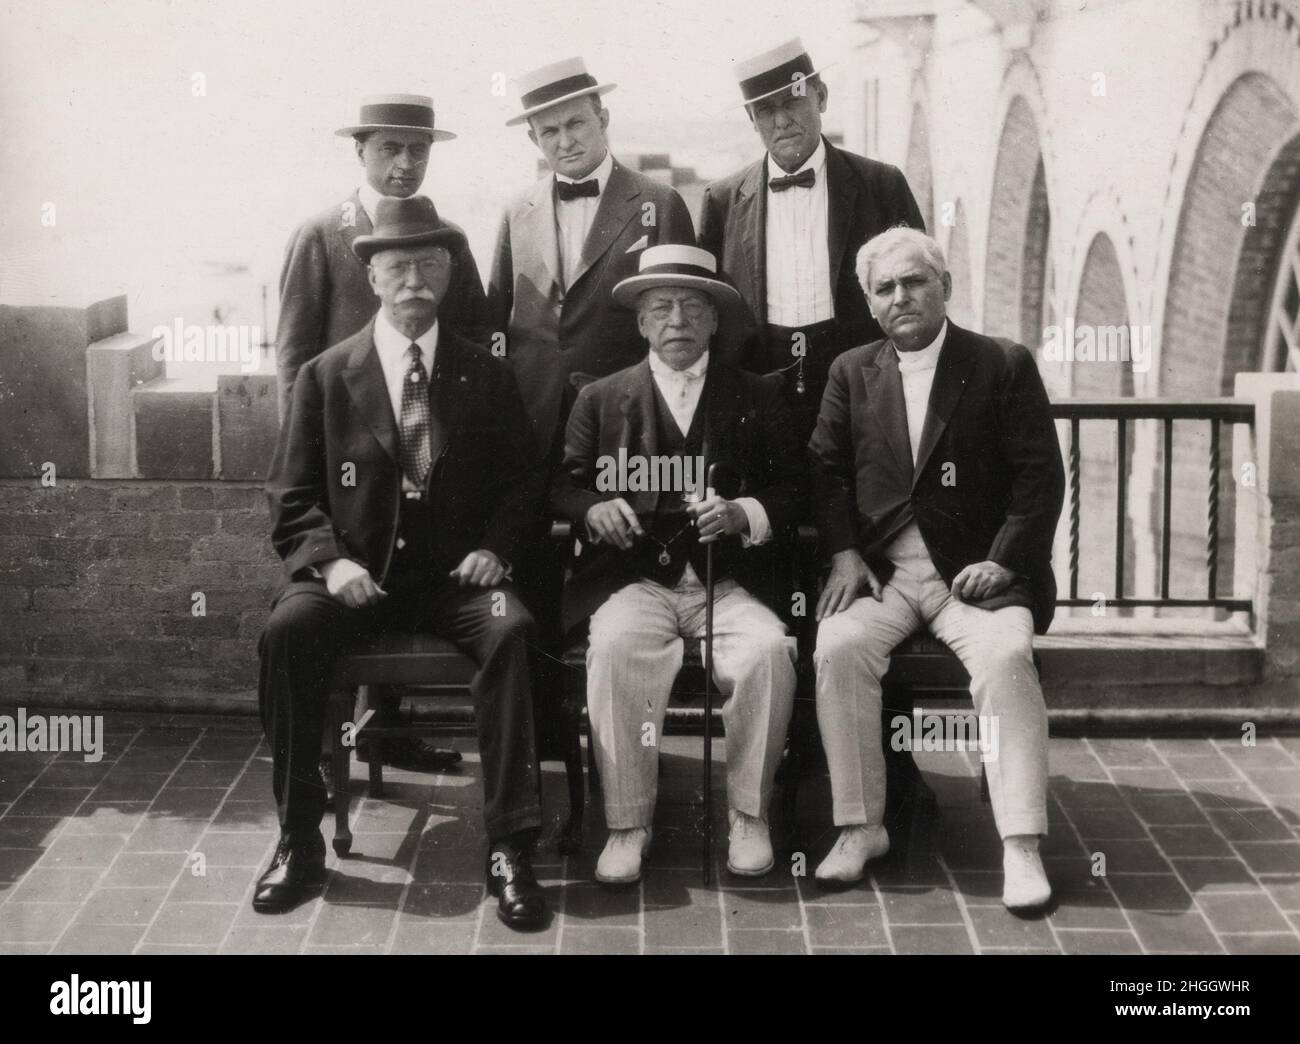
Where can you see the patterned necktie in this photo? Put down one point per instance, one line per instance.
(417, 421)
(804, 179)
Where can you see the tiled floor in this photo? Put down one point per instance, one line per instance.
(1157, 845)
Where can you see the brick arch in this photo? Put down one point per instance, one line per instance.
(1253, 116)
(1242, 111)
(961, 306)
(1018, 206)
(1102, 233)
(1276, 203)
(1102, 301)
(917, 166)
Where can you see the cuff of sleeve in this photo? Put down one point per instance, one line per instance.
(760, 529)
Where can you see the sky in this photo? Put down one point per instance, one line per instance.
(180, 143)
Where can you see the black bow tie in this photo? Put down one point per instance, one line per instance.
(577, 189)
(804, 179)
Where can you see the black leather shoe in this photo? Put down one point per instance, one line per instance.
(521, 904)
(413, 754)
(296, 870)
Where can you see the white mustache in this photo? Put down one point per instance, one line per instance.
(416, 295)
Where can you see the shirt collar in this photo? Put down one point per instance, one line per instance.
(393, 345)
(661, 369)
(816, 163)
(926, 358)
(369, 200)
(601, 173)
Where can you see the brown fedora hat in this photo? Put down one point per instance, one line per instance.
(409, 222)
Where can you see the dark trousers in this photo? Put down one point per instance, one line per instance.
(307, 631)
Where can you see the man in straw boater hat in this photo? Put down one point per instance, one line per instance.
(786, 228)
(565, 242)
(637, 449)
(326, 297)
(418, 536)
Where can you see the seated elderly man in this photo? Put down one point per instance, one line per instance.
(401, 490)
(937, 485)
(636, 449)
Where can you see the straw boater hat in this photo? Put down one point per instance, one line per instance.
(680, 266)
(552, 84)
(774, 71)
(408, 222)
(396, 112)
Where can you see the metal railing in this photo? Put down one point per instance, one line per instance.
(1217, 412)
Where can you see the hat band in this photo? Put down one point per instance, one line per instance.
(678, 268)
(783, 75)
(417, 117)
(557, 89)
(406, 229)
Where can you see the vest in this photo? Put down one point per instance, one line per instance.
(671, 525)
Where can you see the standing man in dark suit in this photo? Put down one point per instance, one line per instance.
(563, 245)
(326, 297)
(785, 229)
(639, 576)
(401, 492)
(566, 242)
(937, 484)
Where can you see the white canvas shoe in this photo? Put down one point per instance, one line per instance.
(620, 861)
(847, 860)
(1024, 881)
(749, 849)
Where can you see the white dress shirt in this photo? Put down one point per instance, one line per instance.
(681, 390)
(573, 218)
(798, 248)
(392, 347)
(917, 371)
(369, 200)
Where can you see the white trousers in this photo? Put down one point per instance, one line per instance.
(995, 647)
(634, 655)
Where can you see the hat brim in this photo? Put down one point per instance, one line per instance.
(366, 247)
(364, 128)
(523, 117)
(781, 90)
(724, 295)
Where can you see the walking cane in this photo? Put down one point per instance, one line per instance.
(710, 490)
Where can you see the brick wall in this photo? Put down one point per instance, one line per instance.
(917, 166)
(1010, 217)
(97, 580)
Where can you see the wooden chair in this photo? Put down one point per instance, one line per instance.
(429, 667)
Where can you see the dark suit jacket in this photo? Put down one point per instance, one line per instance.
(864, 197)
(325, 294)
(483, 490)
(558, 339)
(989, 418)
(748, 433)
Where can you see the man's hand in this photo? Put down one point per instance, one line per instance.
(981, 580)
(479, 569)
(351, 583)
(715, 517)
(614, 522)
(849, 573)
